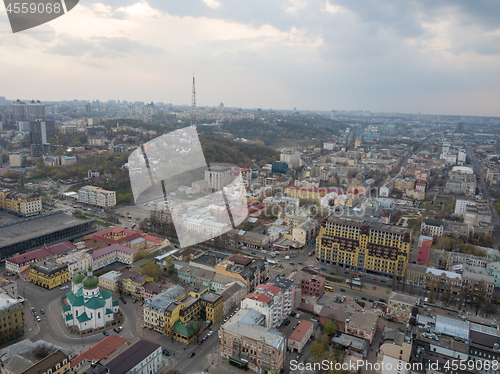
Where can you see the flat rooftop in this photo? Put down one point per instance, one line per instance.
(21, 230)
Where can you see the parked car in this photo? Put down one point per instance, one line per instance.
(287, 322)
(300, 263)
(191, 355)
(342, 290)
(105, 333)
(200, 341)
(364, 298)
(323, 269)
(332, 273)
(210, 333)
(38, 319)
(166, 353)
(382, 301)
(370, 300)
(42, 311)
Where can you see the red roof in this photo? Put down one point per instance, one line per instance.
(301, 330)
(259, 297)
(41, 253)
(423, 252)
(270, 287)
(154, 239)
(106, 235)
(97, 352)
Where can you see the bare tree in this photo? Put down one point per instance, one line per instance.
(480, 295)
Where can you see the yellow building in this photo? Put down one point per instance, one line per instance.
(49, 275)
(21, 203)
(180, 315)
(11, 315)
(364, 245)
(130, 283)
(55, 363)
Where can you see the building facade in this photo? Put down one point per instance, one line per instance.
(400, 307)
(11, 312)
(49, 275)
(97, 196)
(363, 245)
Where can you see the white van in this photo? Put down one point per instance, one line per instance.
(287, 258)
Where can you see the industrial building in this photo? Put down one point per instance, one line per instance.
(28, 234)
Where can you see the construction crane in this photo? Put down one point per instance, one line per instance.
(57, 138)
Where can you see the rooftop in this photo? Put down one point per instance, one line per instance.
(100, 350)
(19, 231)
(41, 253)
(133, 355)
(112, 248)
(402, 298)
(301, 330)
(366, 321)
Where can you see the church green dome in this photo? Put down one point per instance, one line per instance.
(90, 282)
(77, 279)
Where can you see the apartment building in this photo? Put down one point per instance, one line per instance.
(386, 189)
(110, 280)
(179, 315)
(111, 254)
(264, 305)
(11, 312)
(363, 244)
(131, 282)
(218, 177)
(478, 214)
(250, 346)
(97, 196)
(49, 275)
(461, 180)
(400, 307)
(20, 203)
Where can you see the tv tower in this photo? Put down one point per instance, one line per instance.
(193, 106)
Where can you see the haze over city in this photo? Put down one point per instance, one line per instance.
(392, 56)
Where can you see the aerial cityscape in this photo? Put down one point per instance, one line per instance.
(302, 187)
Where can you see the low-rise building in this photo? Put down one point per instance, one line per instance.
(400, 307)
(151, 289)
(113, 253)
(110, 280)
(432, 227)
(493, 269)
(315, 286)
(20, 203)
(130, 283)
(77, 262)
(97, 196)
(362, 325)
(55, 363)
(300, 336)
(138, 357)
(49, 275)
(98, 351)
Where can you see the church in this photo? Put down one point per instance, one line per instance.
(88, 307)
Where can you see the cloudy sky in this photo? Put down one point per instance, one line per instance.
(427, 56)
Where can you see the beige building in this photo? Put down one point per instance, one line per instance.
(218, 177)
(11, 311)
(400, 307)
(97, 196)
(248, 345)
(300, 336)
(78, 262)
(394, 352)
(110, 280)
(362, 325)
(16, 160)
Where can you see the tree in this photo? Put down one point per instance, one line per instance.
(170, 267)
(142, 253)
(432, 292)
(462, 296)
(317, 351)
(330, 328)
(480, 295)
(43, 350)
(151, 269)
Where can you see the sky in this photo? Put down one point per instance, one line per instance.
(435, 57)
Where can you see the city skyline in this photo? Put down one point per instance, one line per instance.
(313, 55)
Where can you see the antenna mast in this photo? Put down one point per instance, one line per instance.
(193, 106)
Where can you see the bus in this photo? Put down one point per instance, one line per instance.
(329, 288)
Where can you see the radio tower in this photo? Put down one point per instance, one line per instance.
(193, 106)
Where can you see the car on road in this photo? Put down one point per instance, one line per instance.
(375, 279)
(38, 319)
(382, 281)
(118, 329)
(291, 263)
(300, 263)
(323, 269)
(210, 333)
(166, 353)
(191, 355)
(42, 311)
(200, 341)
(254, 253)
(370, 300)
(382, 300)
(367, 277)
(236, 310)
(363, 298)
(332, 273)
(225, 319)
(342, 290)
(123, 300)
(105, 333)
(281, 266)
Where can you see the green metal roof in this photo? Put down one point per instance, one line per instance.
(66, 308)
(115, 303)
(95, 303)
(74, 300)
(83, 318)
(184, 329)
(77, 279)
(69, 317)
(91, 282)
(106, 294)
(109, 311)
